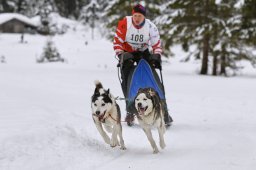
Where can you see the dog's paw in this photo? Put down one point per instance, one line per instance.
(123, 148)
(155, 151)
(162, 145)
(113, 143)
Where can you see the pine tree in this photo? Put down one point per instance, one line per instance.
(7, 5)
(223, 42)
(230, 48)
(1, 7)
(17, 6)
(44, 12)
(189, 22)
(68, 8)
(21, 6)
(50, 53)
(91, 14)
(249, 21)
(214, 29)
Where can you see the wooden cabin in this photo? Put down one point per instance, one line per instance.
(16, 23)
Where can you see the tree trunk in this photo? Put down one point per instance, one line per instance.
(215, 64)
(223, 61)
(6, 7)
(204, 67)
(19, 6)
(206, 38)
(223, 65)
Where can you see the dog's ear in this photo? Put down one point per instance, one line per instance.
(96, 91)
(155, 99)
(140, 90)
(156, 103)
(107, 92)
(152, 92)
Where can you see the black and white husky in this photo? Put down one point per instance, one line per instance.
(106, 113)
(150, 114)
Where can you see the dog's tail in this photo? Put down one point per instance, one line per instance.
(98, 84)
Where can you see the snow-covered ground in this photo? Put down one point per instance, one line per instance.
(46, 124)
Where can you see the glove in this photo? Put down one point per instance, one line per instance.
(119, 54)
(156, 61)
(125, 57)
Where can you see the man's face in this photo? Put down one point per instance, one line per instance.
(138, 18)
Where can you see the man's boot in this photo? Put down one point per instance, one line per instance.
(167, 119)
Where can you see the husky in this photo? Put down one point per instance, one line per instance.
(150, 114)
(107, 116)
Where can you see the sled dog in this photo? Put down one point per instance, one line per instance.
(106, 116)
(150, 114)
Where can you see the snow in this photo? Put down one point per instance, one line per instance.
(46, 124)
(4, 17)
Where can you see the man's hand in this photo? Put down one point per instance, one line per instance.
(156, 61)
(119, 54)
(120, 60)
(125, 57)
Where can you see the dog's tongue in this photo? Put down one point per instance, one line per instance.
(142, 110)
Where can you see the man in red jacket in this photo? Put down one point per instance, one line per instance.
(134, 36)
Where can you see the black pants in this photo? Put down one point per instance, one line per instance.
(127, 69)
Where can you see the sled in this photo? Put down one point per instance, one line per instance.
(143, 77)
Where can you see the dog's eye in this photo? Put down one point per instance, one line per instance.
(95, 104)
(103, 104)
(144, 99)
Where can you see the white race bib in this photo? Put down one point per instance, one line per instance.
(138, 39)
